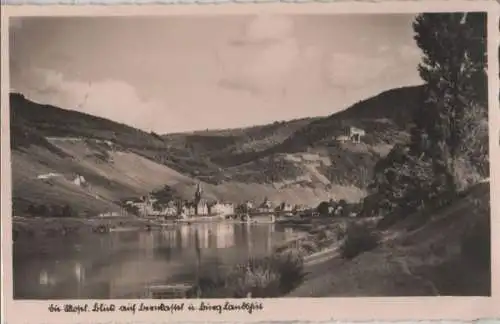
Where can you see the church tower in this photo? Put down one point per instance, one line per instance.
(197, 197)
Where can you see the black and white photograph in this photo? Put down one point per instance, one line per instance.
(258, 155)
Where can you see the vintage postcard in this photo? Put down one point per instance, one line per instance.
(250, 162)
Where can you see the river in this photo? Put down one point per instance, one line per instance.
(122, 264)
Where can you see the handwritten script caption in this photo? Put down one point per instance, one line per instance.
(134, 308)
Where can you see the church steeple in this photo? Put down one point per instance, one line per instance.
(197, 198)
(198, 193)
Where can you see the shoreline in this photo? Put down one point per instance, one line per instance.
(34, 226)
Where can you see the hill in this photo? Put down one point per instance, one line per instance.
(298, 161)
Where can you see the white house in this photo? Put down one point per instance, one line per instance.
(79, 180)
(110, 214)
(355, 134)
(222, 208)
(170, 211)
(284, 208)
(352, 134)
(48, 176)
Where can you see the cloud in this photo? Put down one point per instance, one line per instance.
(407, 51)
(274, 55)
(273, 63)
(383, 49)
(311, 53)
(113, 99)
(353, 71)
(238, 85)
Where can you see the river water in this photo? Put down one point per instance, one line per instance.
(122, 264)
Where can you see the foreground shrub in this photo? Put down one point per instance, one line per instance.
(309, 246)
(264, 277)
(359, 238)
(290, 265)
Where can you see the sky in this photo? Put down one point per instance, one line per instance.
(181, 73)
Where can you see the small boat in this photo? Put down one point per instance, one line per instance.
(261, 219)
(123, 229)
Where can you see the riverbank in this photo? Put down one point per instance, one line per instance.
(31, 227)
(438, 256)
(54, 226)
(320, 236)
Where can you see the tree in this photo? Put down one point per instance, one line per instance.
(42, 210)
(31, 210)
(449, 137)
(165, 194)
(323, 208)
(131, 209)
(67, 211)
(454, 69)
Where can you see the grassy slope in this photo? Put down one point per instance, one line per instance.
(413, 261)
(28, 189)
(219, 143)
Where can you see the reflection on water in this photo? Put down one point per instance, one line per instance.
(122, 264)
(184, 234)
(44, 277)
(288, 233)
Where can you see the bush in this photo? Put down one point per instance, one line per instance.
(67, 211)
(40, 210)
(290, 265)
(323, 208)
(309, 246)
(134, 210)
(265, 277)
(54, 210)
(405, 183)
(358, 239)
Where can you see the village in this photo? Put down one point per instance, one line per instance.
(199, 209)
(150, 207)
